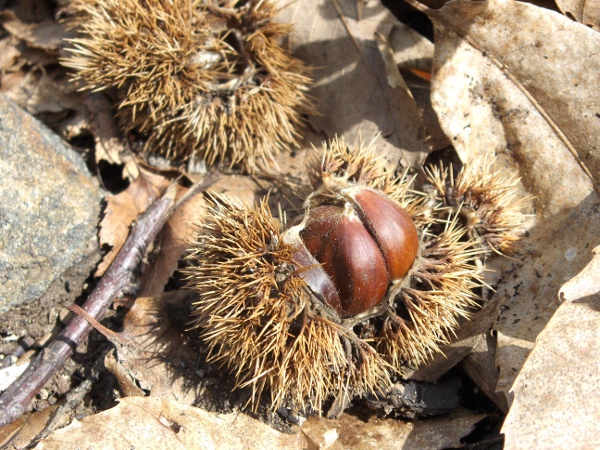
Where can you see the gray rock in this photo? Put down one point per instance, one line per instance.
(49, 207)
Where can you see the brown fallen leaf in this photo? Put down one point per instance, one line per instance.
(350, 80)
(557, 401)
(109, 146)
(413, 55)
(24, 431)
(585, 11)
(9, 54)
(487, 60)
(517, 95)
(122, 209)
(349, 431)
(47, 35)
(411, 50)
(151, 423)
(153, 356)
(174, 242)
(41, 91)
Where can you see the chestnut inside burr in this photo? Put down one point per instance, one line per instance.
(363, 246)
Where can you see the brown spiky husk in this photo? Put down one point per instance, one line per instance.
(426, 311)
(256, 317)
(429, 310)
(265, 325)
(199, 79)
(488, 200)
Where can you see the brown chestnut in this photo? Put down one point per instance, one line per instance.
(363, 243)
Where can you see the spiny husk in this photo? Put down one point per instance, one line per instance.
(427, 312)
(200, 80)
(256, 317)
(338, 160)
(340, 164)
(274, 334)
(488, 200)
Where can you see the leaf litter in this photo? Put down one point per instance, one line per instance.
(556, 392)
(526, 96)
(520, 95)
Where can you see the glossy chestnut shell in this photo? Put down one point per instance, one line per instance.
(364, 243)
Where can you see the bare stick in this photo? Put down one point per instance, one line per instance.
(18, 395)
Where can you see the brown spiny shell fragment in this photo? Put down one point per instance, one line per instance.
(373, 279)
(199, 78)
(488, 200)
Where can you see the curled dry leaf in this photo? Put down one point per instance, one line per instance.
(557, 401)
(151, 423)
(518, 95)
(350, 80)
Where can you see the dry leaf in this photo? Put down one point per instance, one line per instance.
(47, 35)
(101, 122)
(557, 401)
(349, 431)
(152, 354)
(151, 423)
(532, 85)
(350, 80)
(26, 429)
(174, 241)
(413, 52)
(40, 91)
(480, 366)
(122, 209)
(585, 11)
(9, 53)
(515, 93)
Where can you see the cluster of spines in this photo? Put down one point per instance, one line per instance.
(300, 356)
(442, 284)
(486, 197)
(255, 317)
(194, 85)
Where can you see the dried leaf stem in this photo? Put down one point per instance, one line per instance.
(14, 401)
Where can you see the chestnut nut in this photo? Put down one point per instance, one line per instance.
(364, 242)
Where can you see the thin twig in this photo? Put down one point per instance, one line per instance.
(14, 401)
